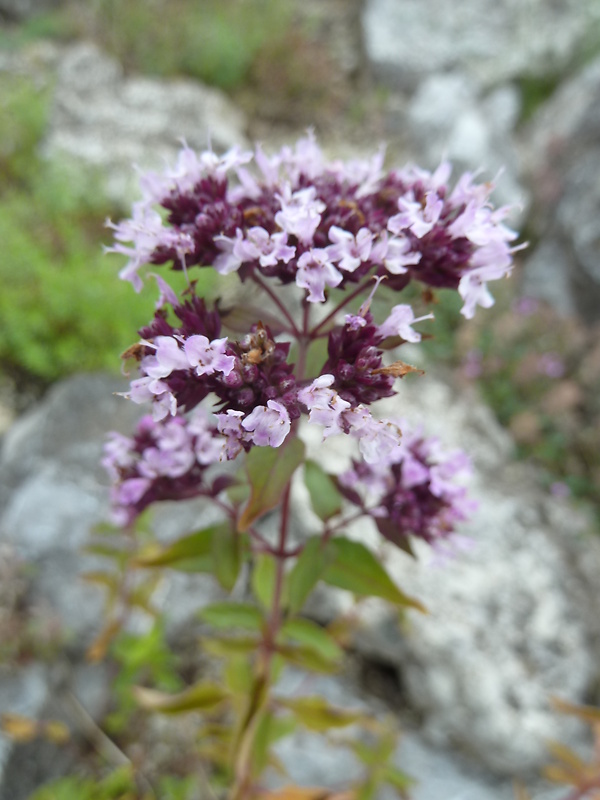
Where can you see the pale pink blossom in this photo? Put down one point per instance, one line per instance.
(400, 322)
(229, 423)
(269, 425)
(315, 272)
(208, 357)
(347, 250)
(324, 404)
(300, 213)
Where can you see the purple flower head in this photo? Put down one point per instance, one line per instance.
(295, 219)
(416, 491)
(356, 363)
(352, 218)
(163, 460)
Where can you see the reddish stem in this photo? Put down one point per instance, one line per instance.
(266, 288)
(314, 334)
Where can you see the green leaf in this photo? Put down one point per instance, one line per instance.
(316, 714)
(269, 471)
(233, 615)
(270, 729)
(263, 579)
(241, 318)
(200, 696)
(398, 779)
(239, 675)
(193, 552)
(355, 568)
(316, 357)
(238, 493)
(324, 496)
(226, 552)
(307, 658)
(308, 633)
(307, 572)
(224, 647)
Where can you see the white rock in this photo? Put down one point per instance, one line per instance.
(494, 42)
(109, 122)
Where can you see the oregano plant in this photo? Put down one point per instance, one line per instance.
(233, 389)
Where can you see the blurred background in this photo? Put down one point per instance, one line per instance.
(90, 87)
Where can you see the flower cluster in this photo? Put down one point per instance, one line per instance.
(296, 219)
(318, 224)
(418, 490)
(163, 460)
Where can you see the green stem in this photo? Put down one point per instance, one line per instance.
(260, 693)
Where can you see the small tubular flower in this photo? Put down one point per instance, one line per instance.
(268, 426)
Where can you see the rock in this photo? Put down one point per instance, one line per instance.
(407, 41)
(108, 122)
(511, 619)
(50, 463)
(561, 156)
(52, 492)
(438, 773)
(61, 692)
(24, 693)
(448, 117)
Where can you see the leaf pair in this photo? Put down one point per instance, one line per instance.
(216, 550)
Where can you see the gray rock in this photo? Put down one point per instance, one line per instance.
(408, 40)
(53, 493)
(448, 117)
(561, 156)
(438, 773)
(24, 693)
(108, 122)
(511, 619)
(74, 695)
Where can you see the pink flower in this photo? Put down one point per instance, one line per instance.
(269, 425)
(229, 424)
(325, 406)
(300, 213)
(315, 272)
(399, 323)
(169, 356)
(415, 216)
(149, 389)
(378, 439)
(395, 253)
(208, 357)
(348, 250)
